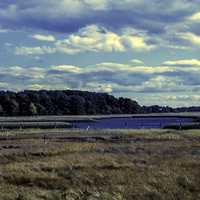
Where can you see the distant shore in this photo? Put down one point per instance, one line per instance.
(194, 115)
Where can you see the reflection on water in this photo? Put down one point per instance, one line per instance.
(132, 123)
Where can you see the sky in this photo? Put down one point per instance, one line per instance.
(141, 49)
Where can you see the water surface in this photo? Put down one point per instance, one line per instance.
(132, 123)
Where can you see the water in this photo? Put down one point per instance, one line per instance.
(131, 123)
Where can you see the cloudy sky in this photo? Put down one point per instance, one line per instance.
(142, 49)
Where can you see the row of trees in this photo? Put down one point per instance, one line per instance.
(71, 102)
(64, 103)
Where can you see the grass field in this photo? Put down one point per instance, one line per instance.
(103, 164)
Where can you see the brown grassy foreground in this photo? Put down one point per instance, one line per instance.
(104, 165)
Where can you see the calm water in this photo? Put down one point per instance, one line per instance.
(132, 123)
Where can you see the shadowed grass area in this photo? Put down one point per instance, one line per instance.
(126, 165)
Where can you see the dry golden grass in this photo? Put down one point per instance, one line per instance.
(155, 165)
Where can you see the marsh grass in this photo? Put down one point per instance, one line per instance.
(159, 164)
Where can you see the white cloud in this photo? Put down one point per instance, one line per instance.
(132, 68)
(23, 50)
(48, 38)
(191, 62)
(136, 43)
(136, 61)
(117, 78)
(97, 4)
(191, 37)
(99, 87)
(91, 38)
(3, 85)
(18, 71)
(162, 82)
(178, 47)
(195, 17)
(113, 68)
(67, 68)
(38, 86)
(189, 98)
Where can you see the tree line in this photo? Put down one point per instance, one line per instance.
(66, 102)
(69, 102)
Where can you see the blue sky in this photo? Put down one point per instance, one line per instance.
(145, 50)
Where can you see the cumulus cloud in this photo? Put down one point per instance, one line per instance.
(116, 78)
(136, 62)
(70, 15)
(191, 37)
(111, 74)
(100, 87)
(95, 38)
(103, 30)
(195, 17)
(186, 63)
(99, 25)
(92, 38)
(48, 38)
(3, 85)
(23, 50)
(67, 68)
(131, 68)
(184, 97)
(162, 84)
(38, 86)
(18, 71)
(107, 77)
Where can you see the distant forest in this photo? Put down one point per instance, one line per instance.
(69, 102)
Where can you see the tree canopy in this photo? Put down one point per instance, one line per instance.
(70, 102)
